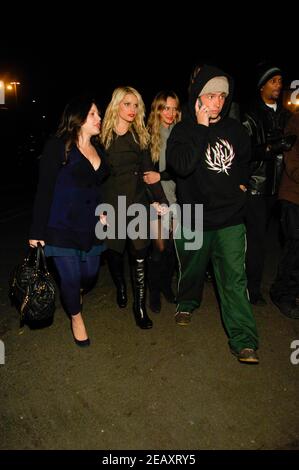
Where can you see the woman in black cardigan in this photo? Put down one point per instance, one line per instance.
(126, 141)
(72, 168)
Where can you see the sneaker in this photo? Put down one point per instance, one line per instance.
(247, 355)
(169, 294)
(287, 308)
(293, 313)
(183, 318)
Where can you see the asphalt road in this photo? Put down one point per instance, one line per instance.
(170, 387)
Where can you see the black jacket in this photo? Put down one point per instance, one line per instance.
(67, 196)
(210, 162)
(127, 162)
(265, 128)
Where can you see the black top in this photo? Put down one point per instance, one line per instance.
(67, 196)
(127, 163)
(211, 162)
(265, 127)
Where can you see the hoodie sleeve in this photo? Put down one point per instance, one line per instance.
(185, 147)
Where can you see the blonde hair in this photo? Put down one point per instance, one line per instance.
(154, 121)
(137, 128)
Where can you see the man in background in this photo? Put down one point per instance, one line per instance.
(265, 123)
(285, 290)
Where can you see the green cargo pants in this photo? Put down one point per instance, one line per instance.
(226, 248)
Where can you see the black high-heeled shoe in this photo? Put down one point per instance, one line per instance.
(82, 343)
(121, 296)
(141, 317)
(154, 301)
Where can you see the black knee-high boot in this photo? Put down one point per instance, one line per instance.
(141, 317)
(167, 271)
(116, 268)
(154, 281)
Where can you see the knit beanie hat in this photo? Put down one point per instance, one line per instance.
(216, 85)
(265, 72)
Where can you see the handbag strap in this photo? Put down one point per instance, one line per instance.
(40, 258)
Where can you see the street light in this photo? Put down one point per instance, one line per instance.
(15, 89)
(10, 86)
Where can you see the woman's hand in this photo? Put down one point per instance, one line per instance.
(161, 209)
(33, 243)
(243, 188)
(103, 219)
(151, 177)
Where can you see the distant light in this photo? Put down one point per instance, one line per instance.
(44, 117)
(289, 103)
(297, 101)
(33, 101)
(1, 84)
(9, 87)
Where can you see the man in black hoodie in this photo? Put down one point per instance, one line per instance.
(209, 153)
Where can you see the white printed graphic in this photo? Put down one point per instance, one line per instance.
(220, 157)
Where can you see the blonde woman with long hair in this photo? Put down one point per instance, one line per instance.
(126, 141)
(165, 113)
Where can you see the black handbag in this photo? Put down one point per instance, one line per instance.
(32, 289)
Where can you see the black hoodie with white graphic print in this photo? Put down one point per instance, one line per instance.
(210, 162)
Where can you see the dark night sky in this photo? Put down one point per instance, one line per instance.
(56, 62)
